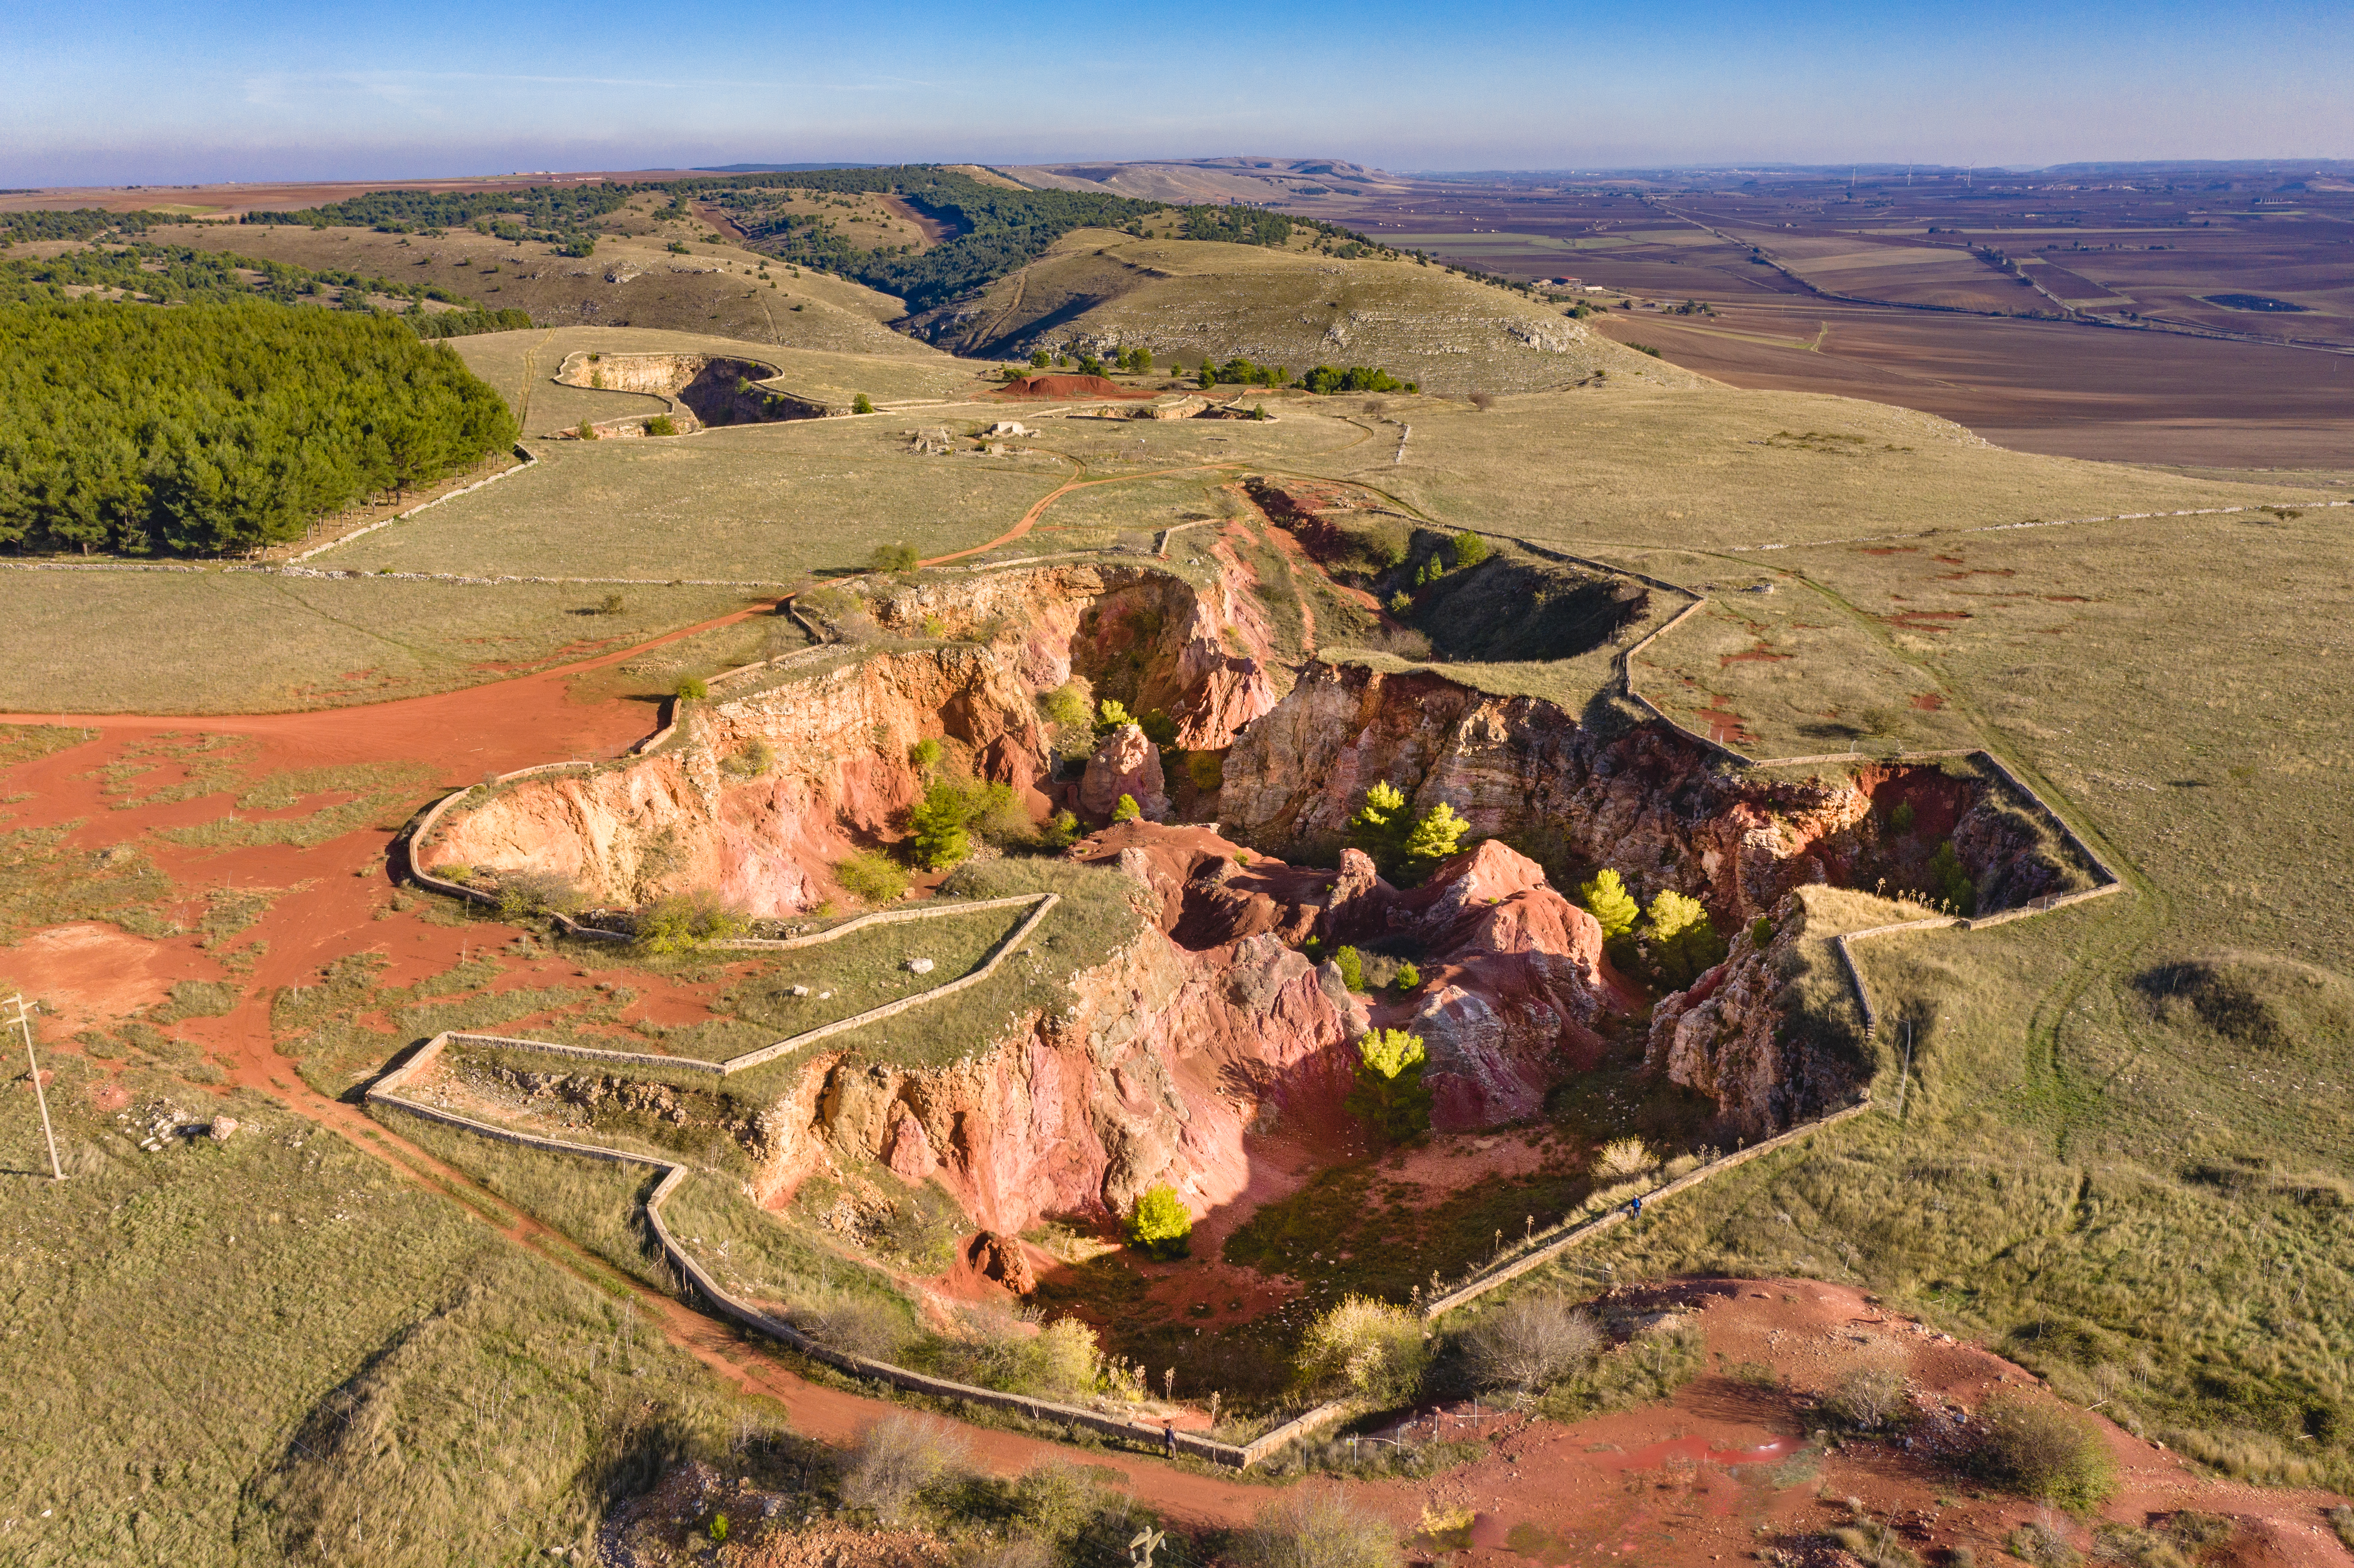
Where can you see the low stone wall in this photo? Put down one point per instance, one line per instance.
(1012, 940)
(386, 1091)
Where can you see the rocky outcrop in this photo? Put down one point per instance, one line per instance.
(702, 816)
(708, 814)
(1200, 653)
(1641, 799)
(1165, 1060)
(1735, 1036)
(1125, 763)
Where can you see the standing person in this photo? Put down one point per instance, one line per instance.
(1169, 1438)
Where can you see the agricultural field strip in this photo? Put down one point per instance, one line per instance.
(386, 1091)
(317, 574)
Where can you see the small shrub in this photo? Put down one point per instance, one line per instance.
(1761, 930)
(897, 1459)
(523, 894)
(1351, 965)
(1367, 1348)
(925, 753)
(2197, 1532)
(1624, 1157)
(1159, 728)
(749, 760)
(1407, 978)
(2138, 1548)
(899, 558)
(2341, 1519)
(693, 689)
(1469, 550)
(613, 605)
(2043, 1545)
(1389, 1095)
(1400, 603)
(1207, 769)
(1160, 1225)
(585, 430)
(1060, 832)
(1310, 1527)
(1901, 819)
(718, 1528)
(861, 1325)
(862, 404)
(685, 921)
(1126, 809)
(872, 875)
(662, 424)
(1875, 1545)
(1531, 1341)
(1868, 1398)
(1111, 714)
(2044, 1451)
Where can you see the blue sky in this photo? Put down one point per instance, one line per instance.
(180, 91)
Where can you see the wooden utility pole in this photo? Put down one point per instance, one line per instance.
(24, 1022)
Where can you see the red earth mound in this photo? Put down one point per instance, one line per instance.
(1061, 387)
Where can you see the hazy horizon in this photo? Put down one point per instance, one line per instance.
(376, 95)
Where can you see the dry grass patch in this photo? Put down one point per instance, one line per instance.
(245, 643)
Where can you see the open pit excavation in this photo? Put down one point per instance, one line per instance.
(1180, 1012)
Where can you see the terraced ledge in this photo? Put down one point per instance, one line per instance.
(1041, 905)
(387, 1092)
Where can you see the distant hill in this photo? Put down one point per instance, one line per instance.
(1098, 292)
(776, 168)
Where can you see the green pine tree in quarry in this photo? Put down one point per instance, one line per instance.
(1437, 836)
(1389, 1096)
(1380, 827)
(1161, 1226)
(1613, 907)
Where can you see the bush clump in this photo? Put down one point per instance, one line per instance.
(2044, 1451)
(1530, 1342)
(1311, 1528)
(1367, 1348)
(896, 1460)
(872, 875)
(685, 922)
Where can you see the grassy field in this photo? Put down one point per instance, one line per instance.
(1186, 298)
(269, 1349)
(245, 643)
(767, 502)
(1713, 468)
(2125, 1154)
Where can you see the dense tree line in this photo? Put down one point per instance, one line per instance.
(80, 223)
(211, 428)
(465, 324)
(564, 208)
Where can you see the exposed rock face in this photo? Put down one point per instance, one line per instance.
(683, 819)
(1646, 802)
(680, 820)
(1125, 763)
(1154, 1076)
(1148, 637)
(1725, 1035)
(1513, 984)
